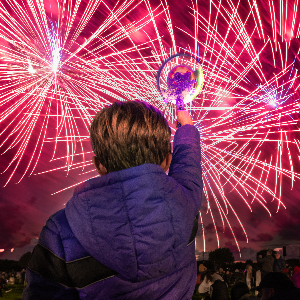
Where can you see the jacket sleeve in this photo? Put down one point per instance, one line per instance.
(261, 260)
(46, 274)
(186, 162)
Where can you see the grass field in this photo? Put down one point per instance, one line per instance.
(15, 293)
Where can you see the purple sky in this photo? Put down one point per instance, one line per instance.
(25, 207)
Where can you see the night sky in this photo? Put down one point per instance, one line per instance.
(25, 206)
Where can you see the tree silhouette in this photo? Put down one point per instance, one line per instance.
(24, 259)
(221, 256)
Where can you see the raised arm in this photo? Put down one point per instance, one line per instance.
(186, 161)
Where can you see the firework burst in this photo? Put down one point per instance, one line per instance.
(62, 61)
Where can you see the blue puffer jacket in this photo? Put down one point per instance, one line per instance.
(125, 235)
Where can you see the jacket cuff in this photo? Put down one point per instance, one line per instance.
(187, 134)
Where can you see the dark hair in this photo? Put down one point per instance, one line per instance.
(129, 134)
(276, 280)
(220, 291)
(209, 276)
(239, 290)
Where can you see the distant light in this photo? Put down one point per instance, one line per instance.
(31, 70)
(215, 108)
(12, 249)
(289, 35)
(1, 250)
(55, 66)
(56, 54)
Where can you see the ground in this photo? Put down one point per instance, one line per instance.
(15, 293)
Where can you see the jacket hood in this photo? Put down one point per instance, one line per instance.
(123, 220)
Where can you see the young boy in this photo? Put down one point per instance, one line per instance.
(128, 234)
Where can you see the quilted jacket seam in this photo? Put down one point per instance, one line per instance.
(131, 229)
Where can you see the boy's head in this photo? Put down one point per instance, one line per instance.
(129, 134)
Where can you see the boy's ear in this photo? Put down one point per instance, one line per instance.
(167, 162)
(98, 166)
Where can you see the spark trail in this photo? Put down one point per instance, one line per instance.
(62, 61)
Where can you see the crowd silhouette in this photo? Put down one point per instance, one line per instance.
(268, 279)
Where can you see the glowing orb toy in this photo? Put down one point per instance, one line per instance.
(180, 79)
